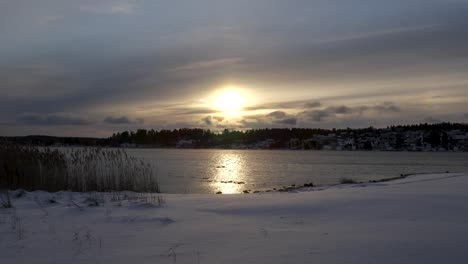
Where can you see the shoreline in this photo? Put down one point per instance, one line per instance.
(282, 189)
(264, 149)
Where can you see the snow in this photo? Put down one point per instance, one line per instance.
(420, 219)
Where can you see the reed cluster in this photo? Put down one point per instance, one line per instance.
(74, 169)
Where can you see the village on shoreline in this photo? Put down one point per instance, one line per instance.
(423, 137)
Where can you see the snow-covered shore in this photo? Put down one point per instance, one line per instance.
(420, 219)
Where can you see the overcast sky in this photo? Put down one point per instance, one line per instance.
(93, 67)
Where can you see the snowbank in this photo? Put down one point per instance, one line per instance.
(420, 219)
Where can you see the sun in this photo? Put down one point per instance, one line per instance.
(229, 100)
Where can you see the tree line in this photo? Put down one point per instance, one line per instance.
(206, 138)
(281, 136)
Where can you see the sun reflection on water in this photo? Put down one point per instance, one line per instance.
(229, 176)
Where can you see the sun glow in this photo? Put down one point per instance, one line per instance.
(229, 100)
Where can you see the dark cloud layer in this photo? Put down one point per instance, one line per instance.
(272, 119)
(329, 60)
(312, 104)
(122, 120)
(277, 114)
(287, 121)
(56, 119)
(335, 111)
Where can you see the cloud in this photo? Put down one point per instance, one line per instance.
(208, 120)
(344, 111)
(110, 7)
(217, 122)
(53, 119)
(273, 119)
(280, 118)
(321, 115)
(298, 104)
(316, 115)
(320, 56)
(380, 33)
(207, 64)
(122, 120)
(277, 114)
(191, 110)
(218, 118)
(287, 121)
(465, 115)
(312, 104)
(385, 107)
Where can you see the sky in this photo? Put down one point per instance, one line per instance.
(94, 67)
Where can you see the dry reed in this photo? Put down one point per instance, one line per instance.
(75, 169)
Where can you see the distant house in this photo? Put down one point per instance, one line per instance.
(266, 144)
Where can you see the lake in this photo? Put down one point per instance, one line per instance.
(233, 171)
